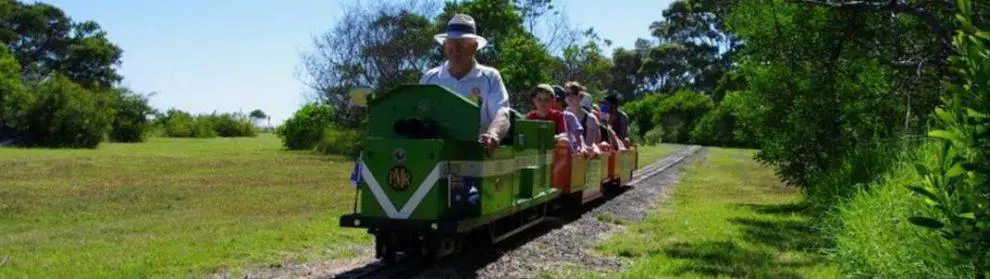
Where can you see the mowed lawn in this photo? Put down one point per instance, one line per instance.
(727, 217)
(169, 208)
(651, 153)
(175, 208)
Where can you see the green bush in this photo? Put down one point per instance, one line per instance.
(14, 99)
(202, 127)
(956, 188)
(677, 114)
(65, 115)
(181, 124)
(733, 123)
(715, 128)
(232, 125)
(873, 235)
(178, 123)
(340, 141)
(131, 122)
(640, 112)
(306, 127)
(653, 136)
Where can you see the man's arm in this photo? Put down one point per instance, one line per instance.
(499, 96)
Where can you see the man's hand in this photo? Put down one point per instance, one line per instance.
(489, 142)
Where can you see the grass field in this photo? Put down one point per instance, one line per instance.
(172, 208)
(169, 207)
(650, 154)
(728, 217)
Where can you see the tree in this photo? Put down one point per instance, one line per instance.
(380, 45)
(585, 62)
(46, 42)
(544, 19)
(13, 98)
(258, 114)
(130, 123)
(627, 74)
(694, 48)
(831, 78)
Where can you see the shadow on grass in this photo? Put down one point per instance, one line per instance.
(725, 258)
(786, 227)
(775, 244)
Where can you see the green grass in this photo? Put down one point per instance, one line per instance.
(874, 239)
(651, 153)
(728, 217)
(175, 207)
(169, 208)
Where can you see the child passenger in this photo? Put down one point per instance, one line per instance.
(543, 101)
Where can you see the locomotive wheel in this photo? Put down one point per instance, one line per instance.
(386, 244)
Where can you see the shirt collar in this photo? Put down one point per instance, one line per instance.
(475, 71)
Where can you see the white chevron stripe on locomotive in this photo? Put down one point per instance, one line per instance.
(464, 168)
(417, 197)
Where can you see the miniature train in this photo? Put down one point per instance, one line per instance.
(427, 187)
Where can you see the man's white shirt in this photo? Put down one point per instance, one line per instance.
(483, 81)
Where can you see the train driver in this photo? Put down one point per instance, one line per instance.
(462, 73)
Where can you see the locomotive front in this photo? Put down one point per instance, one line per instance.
(424, 180)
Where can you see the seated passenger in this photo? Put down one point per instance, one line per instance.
(616, 121)
(575, 97)
(542, 100)
(575, 130)
(462, 74)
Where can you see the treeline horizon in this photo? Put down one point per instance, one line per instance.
(60, 88)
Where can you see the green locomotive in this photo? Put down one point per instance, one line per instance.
(427, 186)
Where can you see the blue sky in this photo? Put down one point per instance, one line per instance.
(225, 55)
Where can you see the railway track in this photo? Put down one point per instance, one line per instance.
(410, 268)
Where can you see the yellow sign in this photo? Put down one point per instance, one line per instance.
(399, 178)
(359, 96)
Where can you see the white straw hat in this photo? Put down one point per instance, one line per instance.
(459, 27)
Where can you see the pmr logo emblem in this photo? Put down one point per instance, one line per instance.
(399, 178)
(399, 155)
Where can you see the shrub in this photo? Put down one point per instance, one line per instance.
(131, 121)
(956, 188)
(679, 113)
(14, 100)
(340, 141)
(232, 125)
(181, 124)
(202, 127)
(640, 112)
(733, 123)
(873, 235)
(715, 128)
(65, 115)
(653, 136)
(306, 127)
(178, 123)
